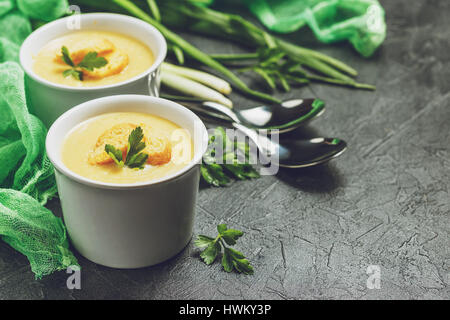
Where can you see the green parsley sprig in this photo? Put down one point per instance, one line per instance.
(134, 158)
(231, 258)
(90, 62)
(221, 174)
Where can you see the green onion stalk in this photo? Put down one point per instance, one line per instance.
(234, 27)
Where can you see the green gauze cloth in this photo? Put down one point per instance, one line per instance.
(33, 230)
(26, 175)
(359, 21)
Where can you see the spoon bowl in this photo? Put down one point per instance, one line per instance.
(296, 153)
(284, 117)
(308, 153)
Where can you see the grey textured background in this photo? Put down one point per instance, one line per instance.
(311, 234)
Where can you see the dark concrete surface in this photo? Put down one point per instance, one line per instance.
(311, 234)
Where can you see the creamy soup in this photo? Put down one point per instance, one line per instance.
(169, 147)
(126, 58)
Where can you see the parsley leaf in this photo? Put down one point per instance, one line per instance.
(232, 259)
(134, 143)
(227, 260)
(235, 259)
(134, 158)
(242, 265)
(90, 61)
(209, 255)
(221, 228)
(66, 56)
(115, 154)
(74, 73)
(230, 236)
(213, 174)
(138, 161)
(203, 241)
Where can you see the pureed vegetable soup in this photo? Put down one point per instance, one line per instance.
(126, 58)
(168, 146)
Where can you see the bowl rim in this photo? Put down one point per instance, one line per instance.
(54, 153)
(116, 16)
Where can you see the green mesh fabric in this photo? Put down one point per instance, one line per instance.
(33, 230)
(5, 6)
(30, 170)
(26, 175)
(359, 21)
(46, 10)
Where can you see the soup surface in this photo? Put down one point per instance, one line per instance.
(169, 147)
(126, 58)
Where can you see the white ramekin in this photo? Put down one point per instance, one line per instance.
(128, 225)
(49, 100)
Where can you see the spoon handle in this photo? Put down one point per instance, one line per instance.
(220, 108)
(210, 108)
(265, 145)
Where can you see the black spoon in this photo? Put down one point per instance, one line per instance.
(286, 116)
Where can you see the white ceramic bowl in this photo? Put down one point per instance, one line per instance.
(128, 225)
(50, 100)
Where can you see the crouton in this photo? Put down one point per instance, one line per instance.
(159, 150)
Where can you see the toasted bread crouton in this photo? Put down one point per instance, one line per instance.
(117, 61)
(159, 149)
(116, 136)
(80, 49)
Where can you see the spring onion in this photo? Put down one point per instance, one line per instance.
(193, 88)
(202, 77)
(230, 26)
